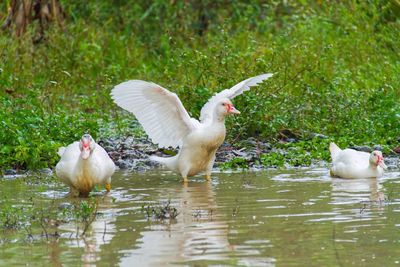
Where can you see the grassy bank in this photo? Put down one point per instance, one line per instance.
(337, 70)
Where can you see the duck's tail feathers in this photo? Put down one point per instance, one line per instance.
(61, 151)
(334, 149)
(170, 162)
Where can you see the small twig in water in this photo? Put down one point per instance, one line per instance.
(104, 232)
(44, 228)
(236, 209)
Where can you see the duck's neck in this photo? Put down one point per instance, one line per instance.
(85, 174)
(372, 166)
(373, 170)
(218, 119)
(85, 165)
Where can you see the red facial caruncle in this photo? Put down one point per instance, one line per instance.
(85, 146)
(231, 109)
(379, 159)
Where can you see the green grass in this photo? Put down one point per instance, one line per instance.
(336, 70)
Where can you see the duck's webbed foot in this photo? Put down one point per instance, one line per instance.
(208, 177)
(108, 187)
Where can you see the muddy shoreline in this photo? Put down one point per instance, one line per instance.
(132, 154)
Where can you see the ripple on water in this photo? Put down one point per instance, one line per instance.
(54, 194)
(277, 217)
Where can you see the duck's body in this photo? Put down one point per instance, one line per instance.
(168, 124)
(198, 151)
(349, 163)
(80, 174)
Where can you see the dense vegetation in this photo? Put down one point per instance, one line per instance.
(336, 70)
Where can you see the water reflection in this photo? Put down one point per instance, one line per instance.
(198, 234)
(284, 217)
(101, 231)
(346, 191)
(357, 199)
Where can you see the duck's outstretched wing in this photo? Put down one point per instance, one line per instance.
(208, 109)
(158, 110)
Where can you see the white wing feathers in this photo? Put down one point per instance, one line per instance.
(159, 111)
(208, 109)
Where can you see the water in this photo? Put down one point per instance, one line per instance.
(298, 217)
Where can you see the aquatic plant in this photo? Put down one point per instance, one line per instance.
(11, 217)
(82, 212)
(33, 216)
(163, 211)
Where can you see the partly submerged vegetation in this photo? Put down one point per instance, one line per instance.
(336, 71)
(161, 212)
(42, 222)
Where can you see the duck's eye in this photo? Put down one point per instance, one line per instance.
(223, 104)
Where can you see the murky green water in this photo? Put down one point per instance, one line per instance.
(295, 217)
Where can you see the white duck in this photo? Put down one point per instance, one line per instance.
(349, 163)
(83, 165)
(168, 124)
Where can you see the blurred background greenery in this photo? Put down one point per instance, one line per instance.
(336, 66)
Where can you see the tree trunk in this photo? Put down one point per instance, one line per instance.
(21, 13)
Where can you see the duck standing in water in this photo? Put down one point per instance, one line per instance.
(168, 124)
(349, 163)
(83, 165)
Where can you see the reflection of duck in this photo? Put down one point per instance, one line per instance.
(100, 232)
(356, 190)
(195, 235)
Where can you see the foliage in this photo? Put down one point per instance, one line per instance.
(235, 163)
(302, 153)
(336, 70)
(31, 134)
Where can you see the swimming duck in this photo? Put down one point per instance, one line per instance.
(349, 163)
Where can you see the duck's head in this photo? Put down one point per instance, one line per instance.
(376, 159)
(225, 107)
(86, 145)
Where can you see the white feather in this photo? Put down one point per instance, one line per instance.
(334, 149)
(61, 151)
(159, 111)
(206, 113)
